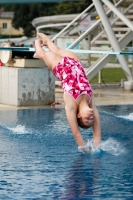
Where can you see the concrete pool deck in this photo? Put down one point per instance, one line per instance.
(113, 96)
(104, 95)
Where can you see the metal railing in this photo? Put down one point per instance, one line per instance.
(72, 22)
(92, 27)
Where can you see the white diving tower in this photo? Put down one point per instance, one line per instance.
(116, 32)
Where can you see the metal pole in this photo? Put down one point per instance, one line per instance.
(91, 28)
(111, 36)
(99, 78)
(72, 22)
(89, 47)
(119, 14)
(132, 59)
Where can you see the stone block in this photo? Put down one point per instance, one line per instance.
(26, 86)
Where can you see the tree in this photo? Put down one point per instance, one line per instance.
(72, 7)
(25, 13)
(22, 18)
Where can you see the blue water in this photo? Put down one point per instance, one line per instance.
(39, 158)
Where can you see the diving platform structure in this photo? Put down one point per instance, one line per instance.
(113, 31)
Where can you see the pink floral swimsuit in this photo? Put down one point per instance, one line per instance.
(73, 78)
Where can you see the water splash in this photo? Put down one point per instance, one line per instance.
(90, 148)
(19, 129)
(129, 117)
(110, 146)
(113, 147)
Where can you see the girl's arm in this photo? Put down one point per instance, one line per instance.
(96, 126)
(72, 120)
(71, 114)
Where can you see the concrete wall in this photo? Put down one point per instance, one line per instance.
(8, 86)
(26, 86)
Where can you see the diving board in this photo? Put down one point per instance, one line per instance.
(26, 49)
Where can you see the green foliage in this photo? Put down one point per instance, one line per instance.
(8, 36)
(22, 18)
(25, 13)
(72, 7)
(110, 75)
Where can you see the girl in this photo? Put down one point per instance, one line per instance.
(78, 95)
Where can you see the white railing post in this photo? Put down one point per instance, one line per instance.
(72, 22)
(111, 37)
(91, 28)
(119, 14)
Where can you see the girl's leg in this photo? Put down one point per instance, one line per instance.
(55, 49)
(51, 59)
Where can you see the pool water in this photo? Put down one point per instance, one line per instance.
(39, 158)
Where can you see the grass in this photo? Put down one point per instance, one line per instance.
(110, 75)
(113, 60)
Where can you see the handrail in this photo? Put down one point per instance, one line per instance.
(119, 14)
(51, 25)
(91, 28)
(76, 24)
(72, 22)
(111, 22)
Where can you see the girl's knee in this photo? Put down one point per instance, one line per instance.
(51, 59)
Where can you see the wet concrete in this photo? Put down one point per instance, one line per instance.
(113, 96)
